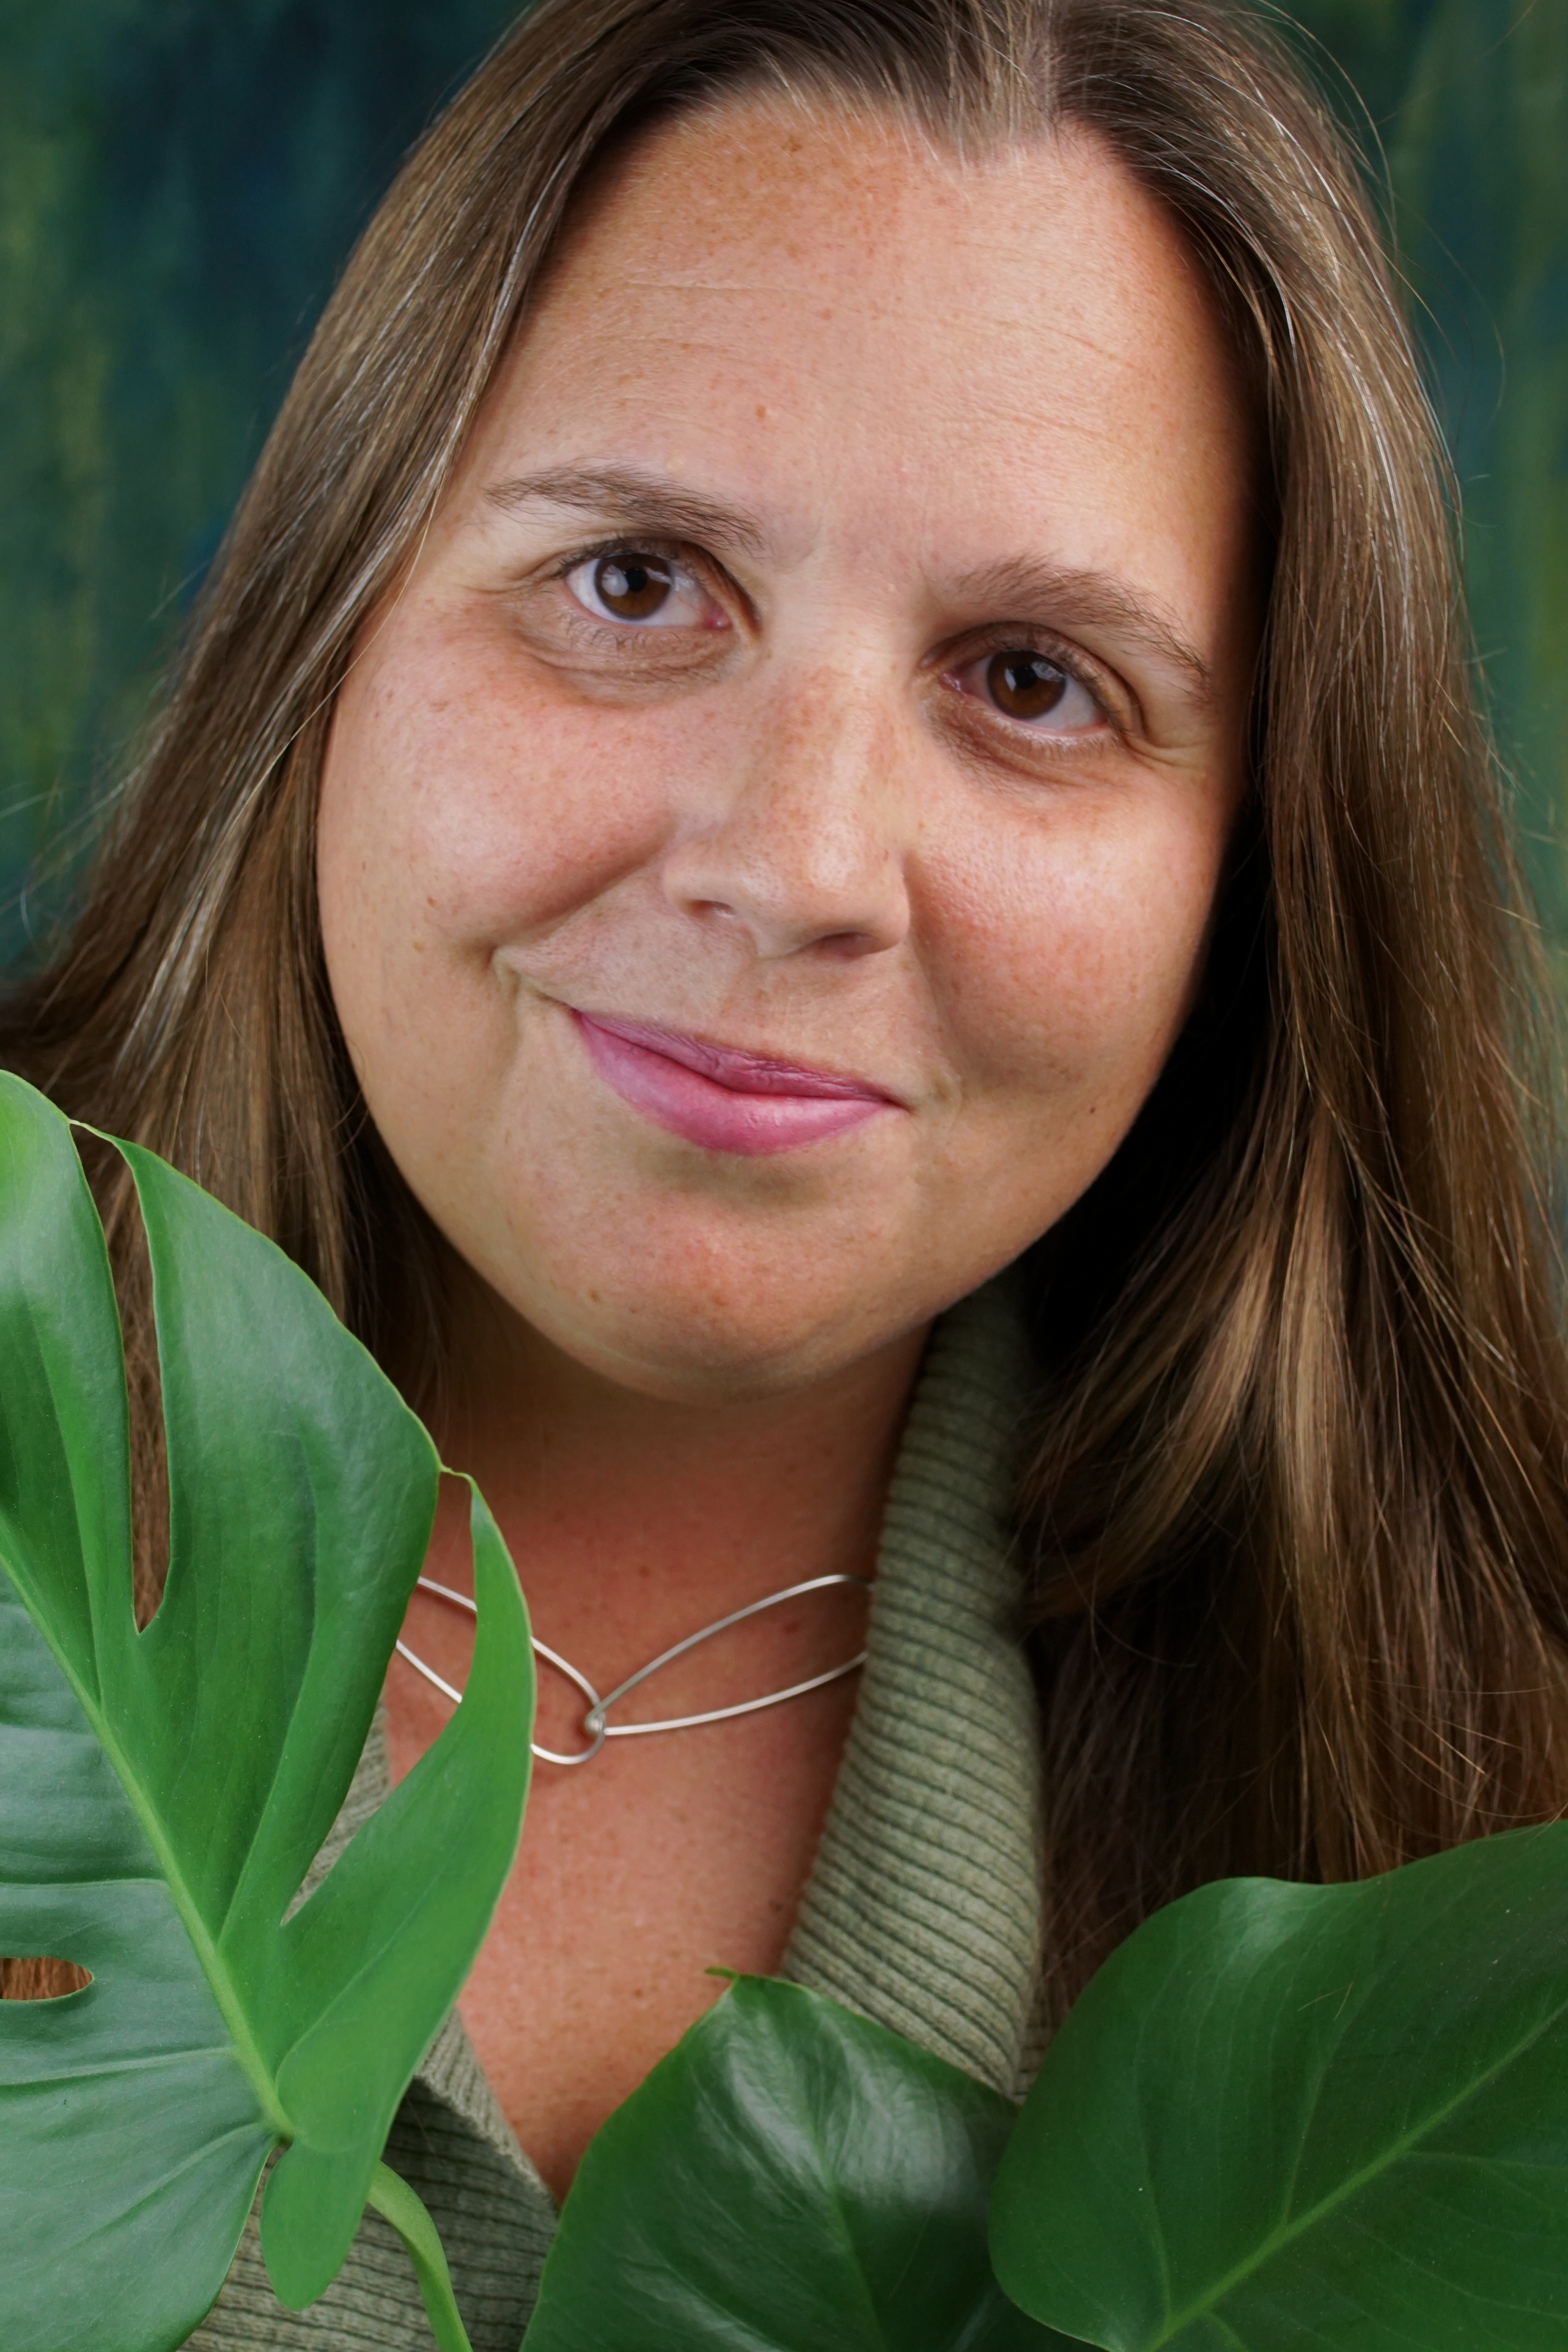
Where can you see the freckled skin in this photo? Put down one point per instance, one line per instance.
(793, 819)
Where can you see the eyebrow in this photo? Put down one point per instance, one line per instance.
(634, 501)
(1099, 599)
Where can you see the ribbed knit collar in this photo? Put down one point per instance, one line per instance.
(923, 1908)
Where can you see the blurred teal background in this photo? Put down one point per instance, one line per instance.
(180, 181)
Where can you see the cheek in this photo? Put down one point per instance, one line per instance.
(1072, 948)
(458, 814)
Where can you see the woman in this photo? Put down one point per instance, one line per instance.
(823, 849)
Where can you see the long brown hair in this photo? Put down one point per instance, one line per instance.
(1298, 1510)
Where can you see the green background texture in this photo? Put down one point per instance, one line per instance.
(180, 181)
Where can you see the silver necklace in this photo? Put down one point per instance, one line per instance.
(596, 1724)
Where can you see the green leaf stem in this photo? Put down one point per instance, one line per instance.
(163, 1793)
(396, 2202)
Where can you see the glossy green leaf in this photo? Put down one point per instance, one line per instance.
(163, 1793)
(790, 2179)
(1291, 2118)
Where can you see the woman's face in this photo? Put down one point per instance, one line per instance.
(767, 843)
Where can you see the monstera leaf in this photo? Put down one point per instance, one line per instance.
(790, 2179)
(1295, 2118)
(163, 1792)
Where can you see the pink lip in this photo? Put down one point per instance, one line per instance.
(723, 1099)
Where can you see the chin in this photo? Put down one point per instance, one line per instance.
(685, 1298)
(693, 1352)
(719, 1335)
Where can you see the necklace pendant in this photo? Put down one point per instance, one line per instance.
(597, 1727)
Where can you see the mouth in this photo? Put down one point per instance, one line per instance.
(720, 1096)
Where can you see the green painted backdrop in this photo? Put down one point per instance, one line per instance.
(180, 179)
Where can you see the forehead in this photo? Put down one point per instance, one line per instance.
(832, 296)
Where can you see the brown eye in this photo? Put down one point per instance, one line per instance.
(631, 587)
(1025, 685)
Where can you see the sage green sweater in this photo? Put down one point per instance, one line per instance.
(923, 1909)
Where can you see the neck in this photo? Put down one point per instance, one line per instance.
(647, 1515)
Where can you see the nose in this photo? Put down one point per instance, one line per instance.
(798, 845)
